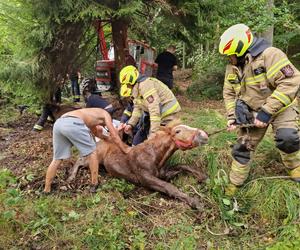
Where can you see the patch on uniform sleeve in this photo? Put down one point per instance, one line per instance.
(150, 99)
(259, 70)
(287, 70)
(232, 78)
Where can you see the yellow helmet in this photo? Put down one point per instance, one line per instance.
(236, 40)
(125, 91)
(129, 75)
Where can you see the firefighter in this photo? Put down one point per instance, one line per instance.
(149, 95)
(260, 87)
(141, 130)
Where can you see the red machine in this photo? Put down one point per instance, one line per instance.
(143, 54)
(105, 67)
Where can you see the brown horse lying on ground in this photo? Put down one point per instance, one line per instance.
(145, 163)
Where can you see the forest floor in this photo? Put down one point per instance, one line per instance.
(263, 214)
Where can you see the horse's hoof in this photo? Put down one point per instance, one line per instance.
(195, 204)
(201, 178)
(93, 188)
(44, 193)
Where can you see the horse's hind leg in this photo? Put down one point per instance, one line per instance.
(82, 161)
(170, 172)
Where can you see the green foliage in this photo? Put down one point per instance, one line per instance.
(208, 76)
(10, 197)
(33, 32)
(118, 185)
(200, 23)
(42, 40)
(287, 23)
(6, 178)
(98, 233)
(276, 196)
(291, 239)
(21, 93)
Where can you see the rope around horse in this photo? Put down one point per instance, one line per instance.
(251, 125)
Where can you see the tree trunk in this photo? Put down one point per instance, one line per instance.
(59, 58)
(119, 35)
(268, 33)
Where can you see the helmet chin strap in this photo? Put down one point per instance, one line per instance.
(241, 61)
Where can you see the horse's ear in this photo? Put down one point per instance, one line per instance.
(165, 129)
(168, 128)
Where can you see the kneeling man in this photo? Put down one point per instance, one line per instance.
(78, 128)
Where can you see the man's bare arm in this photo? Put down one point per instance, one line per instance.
(114, 134)
(98, 132)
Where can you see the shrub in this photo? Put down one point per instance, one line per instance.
(208, 76)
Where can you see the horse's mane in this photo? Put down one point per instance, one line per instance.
(168, 128)
(165, 129)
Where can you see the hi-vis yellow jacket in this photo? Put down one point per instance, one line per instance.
(153, 96)
(269, 82)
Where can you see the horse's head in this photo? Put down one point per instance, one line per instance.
(186, 137)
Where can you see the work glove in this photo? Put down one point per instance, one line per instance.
(263, 116)
(262, 119)
(242, 113)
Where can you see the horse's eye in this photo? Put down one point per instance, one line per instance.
(178, 131)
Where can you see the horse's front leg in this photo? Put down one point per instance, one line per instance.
(82, 161)
(169, 172)
(157, 184)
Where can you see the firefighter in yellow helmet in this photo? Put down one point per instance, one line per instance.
(149, 95)
(260, 88)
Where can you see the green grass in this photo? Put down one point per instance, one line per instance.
(8, 114)
(264, 213)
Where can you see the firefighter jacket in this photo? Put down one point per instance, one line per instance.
(127, 113)
(153, 96)
(268, 82)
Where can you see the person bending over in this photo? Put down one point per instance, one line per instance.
(77, 128)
